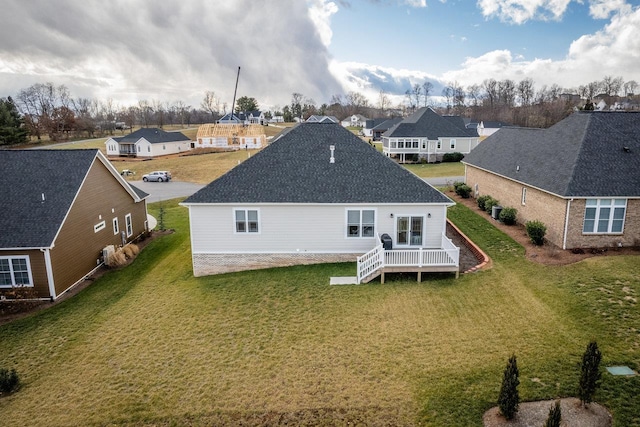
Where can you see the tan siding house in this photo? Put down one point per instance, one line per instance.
(580, 177)
(62, 221)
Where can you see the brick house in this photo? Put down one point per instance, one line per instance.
(580, 177)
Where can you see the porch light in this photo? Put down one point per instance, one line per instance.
(429, 215)
(391, 215)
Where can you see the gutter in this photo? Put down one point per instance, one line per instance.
(566, 224)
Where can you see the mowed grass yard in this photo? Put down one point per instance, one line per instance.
(152, 345)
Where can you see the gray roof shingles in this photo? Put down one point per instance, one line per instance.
(25, 175)
(427, 123)
(295, 168)
(581, 156)
(153, 135)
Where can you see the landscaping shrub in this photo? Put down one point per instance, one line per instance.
(489, 204)
(555, 416)
(481, 200)
(463, 191)
(509, 399)
(452, 157)
(117, 259)
(508, 215)
(131, 250)
(457, 184)
(590, 373)
(9, 381)
(536, 231)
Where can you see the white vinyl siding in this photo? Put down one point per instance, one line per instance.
(604, 216)
(15, 271)
(302, 228)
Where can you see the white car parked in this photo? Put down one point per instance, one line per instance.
(159, 176)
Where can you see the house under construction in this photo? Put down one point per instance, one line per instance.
(230, 136)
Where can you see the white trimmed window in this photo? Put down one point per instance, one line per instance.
(247, 220)
(604, 216)
(116, 228)
(99, 226)
(128, 224)
(524, 196)
(439, 145)
(15, 271)
(361, 222)
(452, 144)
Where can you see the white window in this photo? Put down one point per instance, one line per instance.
(604, 216)
(116, 229)
(99, 226)
(524, 196)
(361, 222)
(452, 144)
(247, 220)
(15, 271)
(129, 225)
(439, 145)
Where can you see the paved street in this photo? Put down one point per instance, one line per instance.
(167, 190)
(443, 181)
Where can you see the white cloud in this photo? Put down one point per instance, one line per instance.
(520, 11)
(415, 3)
(602, 9)
(320, 12)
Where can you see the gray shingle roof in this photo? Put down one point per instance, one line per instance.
(582, 156)
(25, 175)
(295, 168)
(427, 123)
(153, 135)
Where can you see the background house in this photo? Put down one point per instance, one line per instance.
(580, 177)
(316, 194)
(60, 209)
(355, 120)
(427, 135)
(148, 142)
(230, 136)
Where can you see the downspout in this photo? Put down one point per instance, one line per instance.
(47, 263)
(566, 225)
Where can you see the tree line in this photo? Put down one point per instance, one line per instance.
(44, 109)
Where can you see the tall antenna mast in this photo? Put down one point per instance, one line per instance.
(233, 105)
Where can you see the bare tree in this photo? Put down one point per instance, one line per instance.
(211, 104)
(427, 87)
(416, 92)
(383, 102)
(525, 91)
(630, 87)
(611, 85)
(507, 92)
(447, 92)
(474, 92)
(296, 104)
(490, 87)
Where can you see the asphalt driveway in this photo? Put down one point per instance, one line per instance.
(167, 190)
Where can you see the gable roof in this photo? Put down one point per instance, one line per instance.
(427, 123)
(153, 135)
(28, 176)
(295, 168)
(388, 123)
(581, 156)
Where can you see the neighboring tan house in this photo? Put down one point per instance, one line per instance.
(355, 120)
(488, 128)
(148, 142)
(318, 194)
(580, 177)
(230, 136)
(427, 135)
(60, 208)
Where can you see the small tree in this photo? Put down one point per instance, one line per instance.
(555, 416)
(536, 231)
(509, 399)
(590, 373)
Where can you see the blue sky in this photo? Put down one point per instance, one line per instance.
(177, 50)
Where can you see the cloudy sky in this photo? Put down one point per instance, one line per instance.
(175, 50)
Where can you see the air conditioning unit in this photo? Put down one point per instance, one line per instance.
(107, 253)
(495, 212)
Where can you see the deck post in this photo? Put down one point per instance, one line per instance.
(382, 278)
(419, 276)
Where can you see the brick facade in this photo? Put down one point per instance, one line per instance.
(552, 211)
(207, 264)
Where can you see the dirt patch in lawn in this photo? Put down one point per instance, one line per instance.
(532, 414)
(547, 254)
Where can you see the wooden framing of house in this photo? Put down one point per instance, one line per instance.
(233, 136)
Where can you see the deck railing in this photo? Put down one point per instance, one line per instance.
(447, 256)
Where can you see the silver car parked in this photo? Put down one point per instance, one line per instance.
(160, 176)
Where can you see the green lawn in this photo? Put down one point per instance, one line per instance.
(152, 345)
(433, 170)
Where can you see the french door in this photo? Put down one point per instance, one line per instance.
(410, 230)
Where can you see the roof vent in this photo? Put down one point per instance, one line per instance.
(626, 149)
(332, 148)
